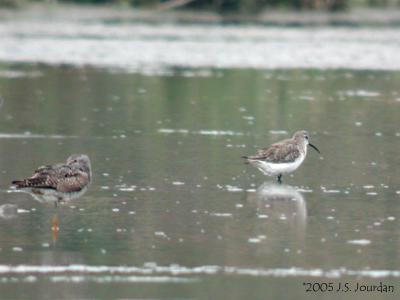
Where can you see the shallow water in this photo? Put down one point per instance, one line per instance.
(173, 211)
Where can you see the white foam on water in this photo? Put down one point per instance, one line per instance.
(254, 240)
(359, 242)
(127, 279)
(169, 130)
(231, 188)
(219, 132)
(160, 233)
(150, 269)
(200, 132)
(359, 93)
(301, 190)
(331, 191)
(257, 239)
(19, 74)
(35, 136)
(127, 189)
(178, 183)
(368, 186)
(235, 145)
(221, 215)
(262, 216)
(278, 132)
(27, 279)
(307, 98)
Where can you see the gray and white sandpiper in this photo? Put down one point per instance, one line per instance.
(283, 157)
(59, 182)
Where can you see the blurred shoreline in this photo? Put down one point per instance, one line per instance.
(110, 13)
(159, 41)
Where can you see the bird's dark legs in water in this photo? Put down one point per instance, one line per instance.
(280, 178)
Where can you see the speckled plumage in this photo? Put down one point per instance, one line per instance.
(282, 152)
(59, 180)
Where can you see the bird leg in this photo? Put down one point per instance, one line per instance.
(280, 178)
(55, 228)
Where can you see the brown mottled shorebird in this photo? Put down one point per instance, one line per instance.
(59, 182)
(282, 157)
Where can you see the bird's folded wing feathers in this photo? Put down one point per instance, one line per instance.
(47, 169)
(58, 177)
(277, 154)
(35, 182)
(73, 181)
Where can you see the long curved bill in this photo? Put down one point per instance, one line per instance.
(312, 146)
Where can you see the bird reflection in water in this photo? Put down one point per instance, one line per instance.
(280, 202)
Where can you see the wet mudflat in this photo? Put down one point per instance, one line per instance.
(173, 211)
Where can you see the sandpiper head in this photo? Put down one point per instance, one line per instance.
(303, 137)
(82, 161)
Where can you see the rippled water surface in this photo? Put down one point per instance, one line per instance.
(173, 211)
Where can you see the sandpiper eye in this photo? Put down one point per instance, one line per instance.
(306, 137)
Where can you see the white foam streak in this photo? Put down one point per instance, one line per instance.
(359, 242)
(126, 279)
(33, 136)
(218, 132)
(234, 189)
(169, 130)
(130, 273)
(359, 93)
(200, 132)
(278, 132)
(221, 214)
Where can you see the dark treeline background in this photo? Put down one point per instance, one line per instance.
(251, 6)
(231, 6)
